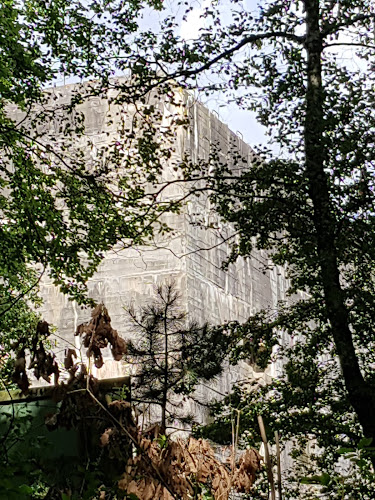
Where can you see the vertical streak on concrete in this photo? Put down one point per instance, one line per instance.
(208, 292)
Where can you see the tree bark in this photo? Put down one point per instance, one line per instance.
(165, 378)
(360, 393)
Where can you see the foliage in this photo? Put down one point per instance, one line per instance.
(18, 326)
(97, 334)
(53, 447)
(189, 468)
(311, 206)
(171, 355)
(65, 199)
(104, 453)
(308, 406)
(45, 443)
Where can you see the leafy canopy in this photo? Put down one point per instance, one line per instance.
(60, 207)
(311, 205)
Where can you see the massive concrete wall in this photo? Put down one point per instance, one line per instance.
(191, 255)
(247, 286)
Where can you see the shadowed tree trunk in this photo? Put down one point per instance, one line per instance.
(361, 394)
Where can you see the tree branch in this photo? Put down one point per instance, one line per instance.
(245, 41)
(349, 44)
(23, 294)
(333, 28)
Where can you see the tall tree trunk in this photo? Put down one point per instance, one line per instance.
(165, 378)
(361, 394)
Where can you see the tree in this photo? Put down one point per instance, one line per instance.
(64, 199)
(60, 208)
(311, 205)
(171, 355)
(313, 208)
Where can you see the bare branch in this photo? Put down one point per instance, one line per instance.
(349, 44)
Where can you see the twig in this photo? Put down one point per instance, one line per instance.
(278, 465)
(133, 440)
(267, 457)
(237, 432)
(23, 294)
(143, 417)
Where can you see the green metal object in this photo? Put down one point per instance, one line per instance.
(28, 424)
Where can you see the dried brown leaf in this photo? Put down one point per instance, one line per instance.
(68, 359)
(106, 436)
(42, 328)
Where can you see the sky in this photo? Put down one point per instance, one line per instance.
(243, 122)
(238, 120)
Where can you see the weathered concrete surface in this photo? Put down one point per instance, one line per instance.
(191, 255)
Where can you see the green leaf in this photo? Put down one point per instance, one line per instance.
(25, 489)
(344, 451)
(364, 443)
(323, 479)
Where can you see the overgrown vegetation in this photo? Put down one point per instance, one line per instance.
(171, 356)
(311, 206)
(94, 447)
